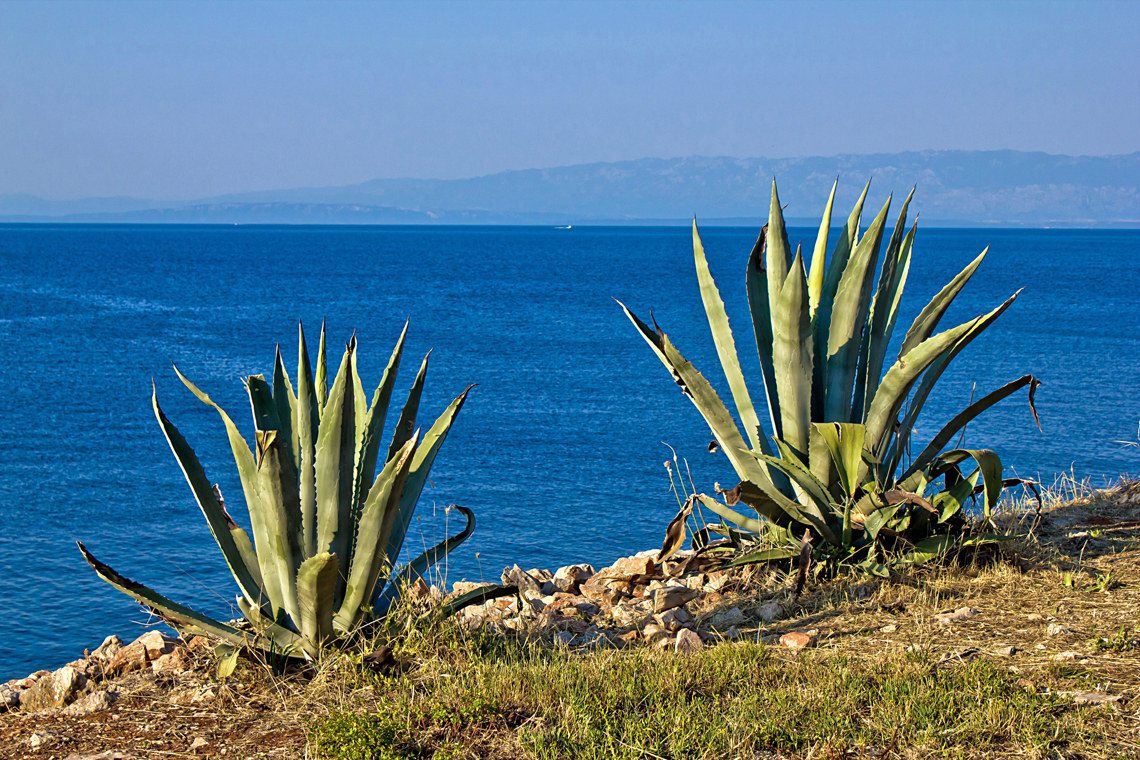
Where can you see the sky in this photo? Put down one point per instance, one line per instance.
(183, 100)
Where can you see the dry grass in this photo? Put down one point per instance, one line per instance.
(886, 680)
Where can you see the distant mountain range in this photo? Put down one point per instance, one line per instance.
(966, 188)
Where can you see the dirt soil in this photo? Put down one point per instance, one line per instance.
(1067, 602)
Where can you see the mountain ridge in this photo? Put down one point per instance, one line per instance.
(983, 187)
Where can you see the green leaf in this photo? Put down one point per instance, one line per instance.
(725, 345)
(180, 617)
(848, 318)
(227, 662)
(884, 310)
(927, 320)
(988, 462)
(419, 566)
(281, 503)
(475, 596)
(779, 257)
(821, 322)
(926, 550)
(232, 540)
(422, 460)
(316, 587)
(947, 433)
(792, 355)
(336, 451)
(819, 255)
(880, 517)
(372, 535)
(373, 427)
(247, 471)
(286, 402)
(894, 453)
(756, 284)
(308, 420)
(845, 443)
(407, 423)
(950, 502)
(747, 523)
(322, 373)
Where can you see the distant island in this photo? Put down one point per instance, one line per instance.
(955, 188)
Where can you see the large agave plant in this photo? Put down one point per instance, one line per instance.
(840, 460)
(326, 526)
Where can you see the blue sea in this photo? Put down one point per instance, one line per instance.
(559, 449)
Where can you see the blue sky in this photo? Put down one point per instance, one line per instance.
(188, 99)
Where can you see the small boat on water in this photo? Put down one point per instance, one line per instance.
(563, 228)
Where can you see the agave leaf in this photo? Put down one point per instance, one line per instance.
(720, 422)
(422, 460)
(407, 423)
(284, 640)
(779, 257)
(286, 402)
(884, 310)
(926, 550)
(792, 357)
(308, 421)
(895, 386)
(756, 284)
(373, 427)
(894, 452)
(927, 320)
(262, 403)
(359, 400)
(386, 594)
(835, 268)
(277, 482)
(819, 255)
(763, 556)
(336, 450)
(725, 345)
(247, 471)
(880, 517)
(947, 433)
(372, 534)
(232, 540)
(845, 443)
(988, 462)
(316, 586)
(747, 523)
(848, 317)
(810, 510)
(322, 381)
(181, 617)
(475, 596)
(950, 502)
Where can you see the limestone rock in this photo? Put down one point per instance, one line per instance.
(668, 598)
(1056, 629)
(94, 702)
(43, 739)
(459, 588)
(627, 639)
(111, 754)
(634, 566)
(728, 618)
(108, 649)
(770, 612)
(568, 579)
(526, 583)
(175, 662)
(198, 742)
(674, 619)
(732, 633)
(603, 595)
(799, 639)
(9, 698)
(55, 690)
(962, 613)
(564, 638)
(654, 632)
(419, 591)
(141, 652)
(688, 642)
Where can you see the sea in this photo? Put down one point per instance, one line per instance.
(560, 448)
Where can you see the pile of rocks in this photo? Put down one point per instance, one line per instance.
(89, 685)
(678, 604)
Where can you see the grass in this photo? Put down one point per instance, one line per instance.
(730, 701)
(885, 681)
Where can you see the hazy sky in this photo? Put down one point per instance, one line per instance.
(188, 99)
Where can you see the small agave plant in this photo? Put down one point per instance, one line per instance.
(839, 462)
(326, 526)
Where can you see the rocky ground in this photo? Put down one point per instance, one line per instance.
(1061, 616)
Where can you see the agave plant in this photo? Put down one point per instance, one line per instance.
(326, 526)
(840, 462)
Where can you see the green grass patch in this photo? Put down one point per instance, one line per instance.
(727, 702)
